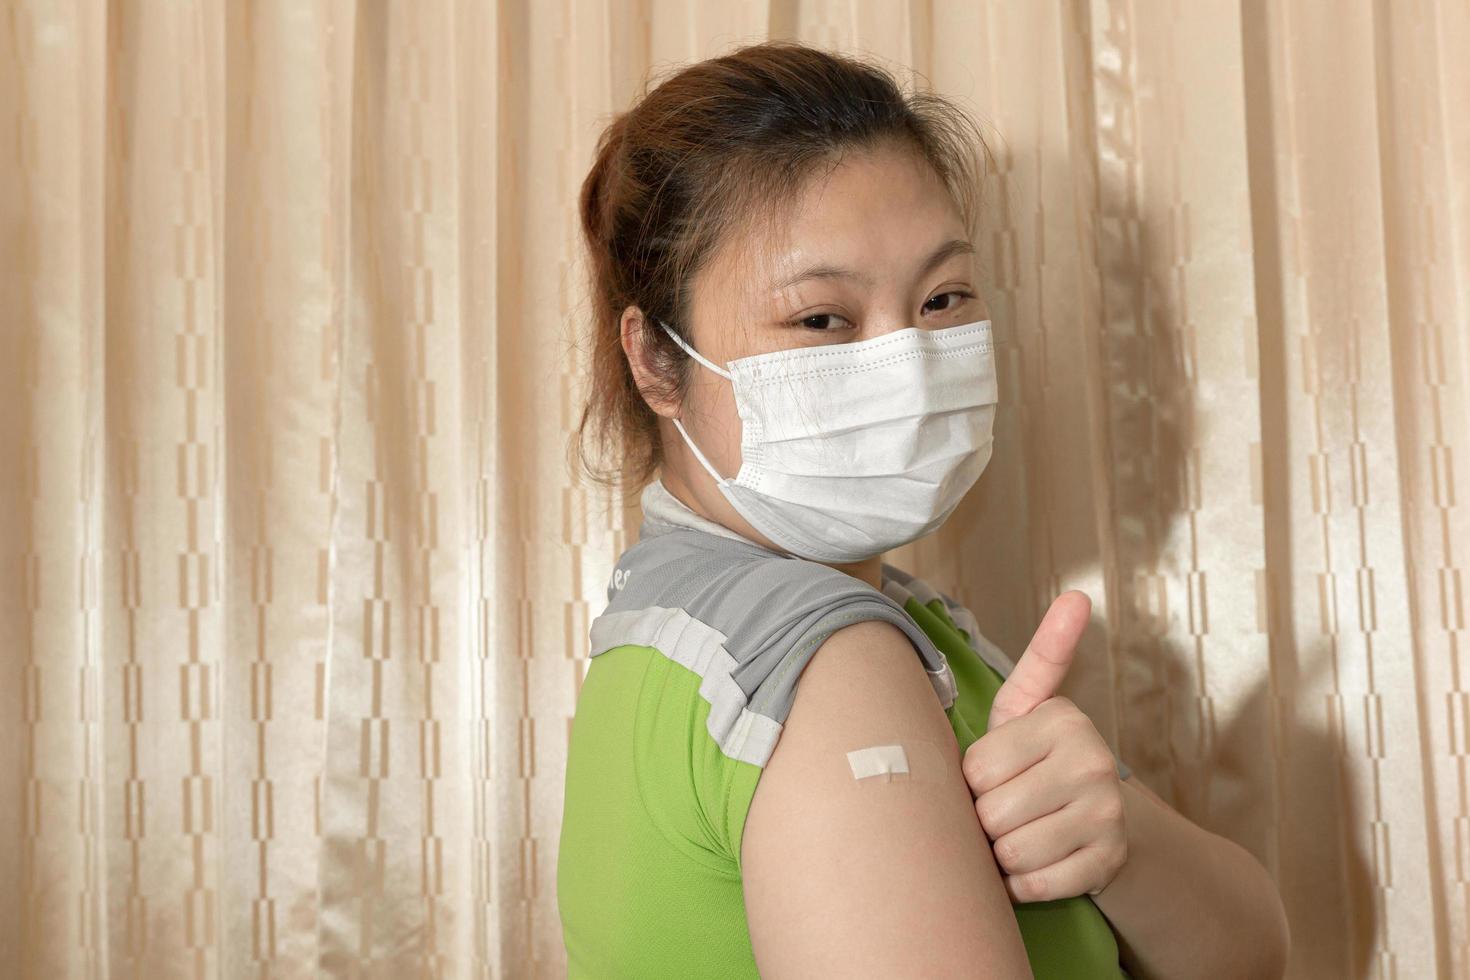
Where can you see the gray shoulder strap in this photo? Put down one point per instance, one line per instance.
(746, 620)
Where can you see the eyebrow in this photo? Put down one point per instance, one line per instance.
(955, 246)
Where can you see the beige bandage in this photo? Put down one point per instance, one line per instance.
(893, 763)
(878, 760)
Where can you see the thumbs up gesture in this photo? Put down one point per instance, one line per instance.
(1045, 782)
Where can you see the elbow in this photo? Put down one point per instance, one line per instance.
(1266, 924)
(1276, 938)
(1281, 939)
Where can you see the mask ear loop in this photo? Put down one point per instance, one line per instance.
(714, 474)
(696, 354)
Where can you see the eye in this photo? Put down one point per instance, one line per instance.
(814, 321)
(951, 305)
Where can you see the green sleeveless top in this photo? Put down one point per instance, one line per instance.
(694, 666)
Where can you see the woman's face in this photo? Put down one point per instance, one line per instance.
(876, 246)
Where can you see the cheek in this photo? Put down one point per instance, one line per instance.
(710, 416)
(721, 425)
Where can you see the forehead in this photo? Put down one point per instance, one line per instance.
(874, 212)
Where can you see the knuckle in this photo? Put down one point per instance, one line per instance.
(1111, 809)
(972, 766)
(988, 815)
(1102, 766)
(1052, 708)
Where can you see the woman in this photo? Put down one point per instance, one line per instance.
(776, 766)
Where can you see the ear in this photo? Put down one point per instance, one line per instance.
(635, 328)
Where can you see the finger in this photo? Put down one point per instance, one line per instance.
(998, 757)
(1024, 800)
(1043, 842)
(1043, 666)
(1076, 874)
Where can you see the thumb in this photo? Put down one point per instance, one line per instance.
(1038, 675)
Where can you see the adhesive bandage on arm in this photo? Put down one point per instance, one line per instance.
(883, 764)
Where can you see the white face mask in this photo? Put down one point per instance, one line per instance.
(849, 450)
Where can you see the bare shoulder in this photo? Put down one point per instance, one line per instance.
(890, 875)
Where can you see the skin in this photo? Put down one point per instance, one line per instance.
(1035, 809)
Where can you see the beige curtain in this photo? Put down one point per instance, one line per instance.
(296, 585)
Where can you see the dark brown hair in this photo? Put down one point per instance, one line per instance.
(705, 154)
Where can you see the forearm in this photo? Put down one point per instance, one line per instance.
(1189, 903)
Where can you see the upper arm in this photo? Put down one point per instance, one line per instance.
(865, 878)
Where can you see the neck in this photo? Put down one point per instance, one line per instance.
(869, 570)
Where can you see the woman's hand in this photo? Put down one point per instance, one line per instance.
(1045, 782)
